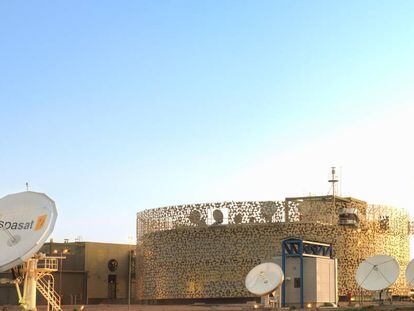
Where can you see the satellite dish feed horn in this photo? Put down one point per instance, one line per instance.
(377, 272)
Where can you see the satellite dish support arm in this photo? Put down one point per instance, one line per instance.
(17, 281)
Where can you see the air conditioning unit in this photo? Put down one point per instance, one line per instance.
(348, 216)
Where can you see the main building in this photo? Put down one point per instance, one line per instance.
(204, 251)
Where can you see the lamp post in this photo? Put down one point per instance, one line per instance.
(129, 271)
(61, 253)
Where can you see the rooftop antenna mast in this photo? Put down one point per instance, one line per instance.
(333, 181)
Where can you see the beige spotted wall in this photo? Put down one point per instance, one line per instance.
(199, 215)
(201, 261)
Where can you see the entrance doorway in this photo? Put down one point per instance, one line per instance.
(112, 286)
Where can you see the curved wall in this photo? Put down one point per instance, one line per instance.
(212, 261)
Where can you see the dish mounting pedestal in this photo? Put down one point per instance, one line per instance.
(38, 277)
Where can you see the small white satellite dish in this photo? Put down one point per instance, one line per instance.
(264, 278)
(409, 273)
(26, 221)
(377, 272)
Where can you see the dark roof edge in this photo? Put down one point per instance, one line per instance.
(326, 197)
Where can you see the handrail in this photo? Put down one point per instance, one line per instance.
(48, 264)
(48, 292)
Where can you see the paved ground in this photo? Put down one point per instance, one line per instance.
(242, 307)
(227, 307)
(171, 308)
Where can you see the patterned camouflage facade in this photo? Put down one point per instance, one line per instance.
(183, 253)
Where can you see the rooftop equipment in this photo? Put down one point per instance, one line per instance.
(348, 216)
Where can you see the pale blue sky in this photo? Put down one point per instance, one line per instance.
(112, 107)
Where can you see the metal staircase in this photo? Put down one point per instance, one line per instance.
(45, 286)
(38, 277)
(46, 282)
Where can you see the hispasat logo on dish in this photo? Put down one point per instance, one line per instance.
(24, 225)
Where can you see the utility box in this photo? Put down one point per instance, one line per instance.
(319, 281)
(310, 274)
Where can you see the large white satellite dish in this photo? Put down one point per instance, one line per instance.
(409, 273)
(26, 221)
(377, 272)
(264, 278)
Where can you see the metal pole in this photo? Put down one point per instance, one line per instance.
(333, 181)
(48, 294)
(60, 277)
(284, 272)
(129, 272)
(129, 281)
(302, 302)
